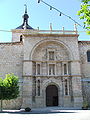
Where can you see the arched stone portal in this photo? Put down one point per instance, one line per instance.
(51, 95)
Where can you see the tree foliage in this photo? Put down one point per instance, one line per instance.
(84, 13)
(9, 88)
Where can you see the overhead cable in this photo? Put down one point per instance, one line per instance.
(61, 13)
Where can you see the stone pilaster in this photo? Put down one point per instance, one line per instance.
(27, 92)
(76, 84)
(77, 91)
(27, 84)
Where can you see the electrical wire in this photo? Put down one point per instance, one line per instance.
(20, 32)
(61, 13)
(5, 31)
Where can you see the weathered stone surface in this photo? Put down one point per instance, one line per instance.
(68, 68)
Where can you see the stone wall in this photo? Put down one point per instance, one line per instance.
(84, 46)
(11, 57)
(66, 49)
(20, 58)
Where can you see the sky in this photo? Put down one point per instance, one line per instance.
(40, 15)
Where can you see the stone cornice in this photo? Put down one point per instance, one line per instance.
(12, 43)
(48, 76)
(84, 42)
(50, 35)
(51, 61)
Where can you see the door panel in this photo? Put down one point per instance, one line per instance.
(51, 95)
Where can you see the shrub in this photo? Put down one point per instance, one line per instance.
(85, 105)
(27, 109)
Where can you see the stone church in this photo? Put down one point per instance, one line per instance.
(53, 67)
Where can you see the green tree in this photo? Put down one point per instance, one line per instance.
(84, 14)
(9, 88)
(2, 88)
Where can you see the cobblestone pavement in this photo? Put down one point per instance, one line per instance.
(52, 113)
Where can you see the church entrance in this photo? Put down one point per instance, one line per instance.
(51, 95)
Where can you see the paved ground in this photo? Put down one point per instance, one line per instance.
(51, 113)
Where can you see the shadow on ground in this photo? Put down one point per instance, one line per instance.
(37, 112)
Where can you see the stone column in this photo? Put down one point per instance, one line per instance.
(62, 93)
(61, 87)
(36, 87)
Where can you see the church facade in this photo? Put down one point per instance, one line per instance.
(53, 67)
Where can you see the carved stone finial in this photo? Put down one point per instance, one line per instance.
(25, 8)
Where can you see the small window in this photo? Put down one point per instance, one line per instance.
(38, 69)
(88, 56)
(66, 87)
(21, 38)
(51, 55)
(52, 69)
(65, 69)
(38, 87)
(34, 87)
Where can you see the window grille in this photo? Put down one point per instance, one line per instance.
(51, 55)
(38, 87)
(52, 69)
(65, 69)
(88, 56)
(38, 69)
(66, 87)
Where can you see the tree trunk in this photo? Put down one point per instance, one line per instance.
(1, 104)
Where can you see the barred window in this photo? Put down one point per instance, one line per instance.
(65, 69)
(34, 86)
(51, 55)
(88, 56)
(38, 87)
(51, 69)
(38, 69)
(66, 87)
